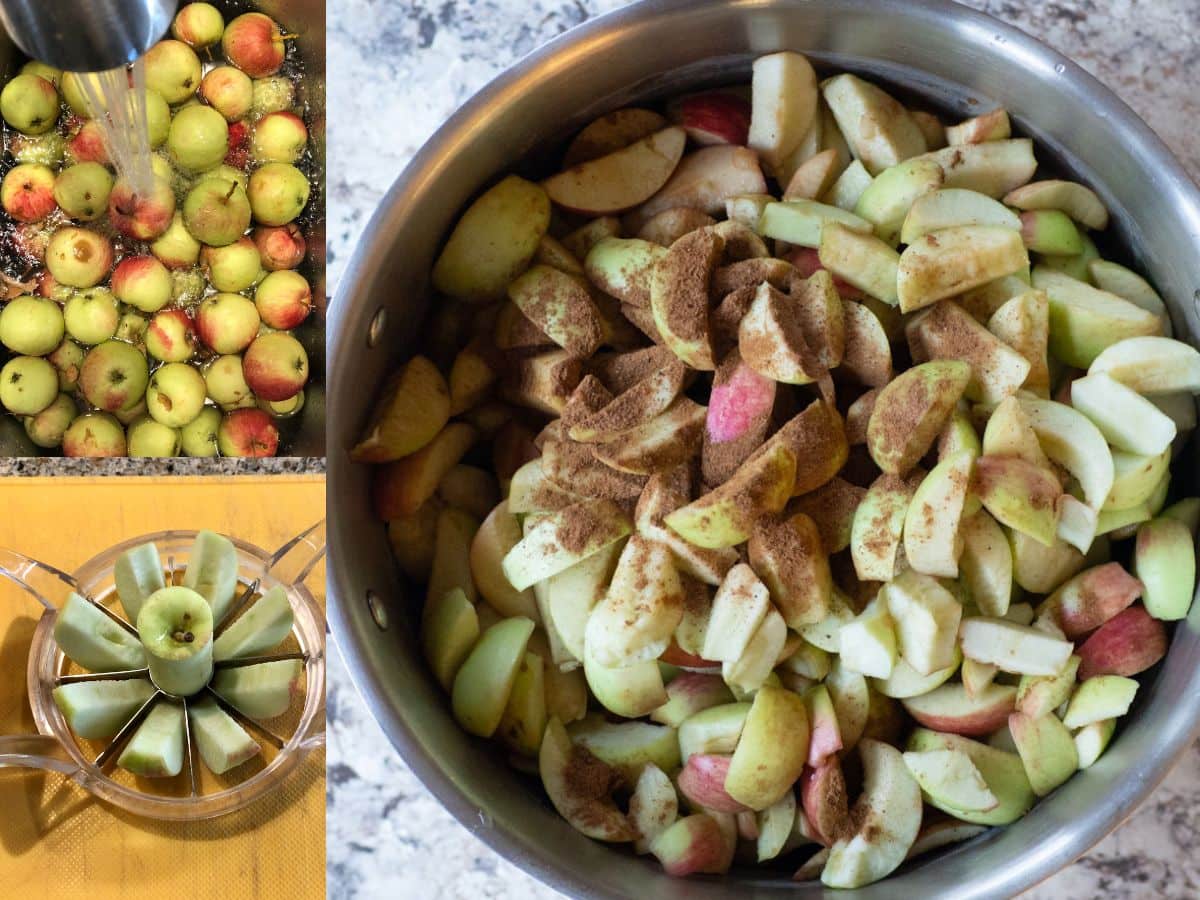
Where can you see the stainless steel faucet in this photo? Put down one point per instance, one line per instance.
(86, 35)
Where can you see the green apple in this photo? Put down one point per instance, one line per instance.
(82, 190)
(637, 617)
(272, 94)
(954, 208)
(449, 629)
(1098, 698)
(889, 197)
(911, 411)
(801, 221)
(1128, 421)
(234, 267)
(623, 268)
(216, 211)
(875, 537)
(1023, 322)
(149, 438)
(172, 70)
(1074, 199)
(1020, 495)
(225, 383)
(905, 681)
(29, 103)
(175, 625)
(631, 692)
(1128, 285)
(1135, 478)
(42, 149)
(861, 260)
(227, 323)
(222, 742)
(31, 326)
(198, 438)
(278, 137)
(993, 168)
(484, 681)
(530, 561)
(261, 691)
(561, 306)
(278, 193)
(868, 642)
(946, 331)
(1002, 771)
(1070, 439)
(1084, 321)
(629, 747)
(95, 710)
(28, 384)
(1040, 695)
(78, 258)
(1050, 231)
(91, 316)
(1165, 562)
(1092, 740)
(716, 729)
(198, 138)
(94, 434)
(1046, 748)
(560, 763)
(524, 720)
(986, 564)
(878, 129)
(771, 751)
(175, 394)
(679, 287)
(93, 640)
(42, 70)
(198, 25)
(175, 248)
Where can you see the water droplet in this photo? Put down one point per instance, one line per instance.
(1060, 68)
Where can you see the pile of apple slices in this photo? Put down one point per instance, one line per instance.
(176, 662)
(854, 490)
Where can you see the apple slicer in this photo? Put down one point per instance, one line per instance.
(195, 792)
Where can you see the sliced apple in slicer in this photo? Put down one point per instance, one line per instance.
(261, 691)
(99, 709)
(212, 571)
(222, 742)
(138, 573)
(94, 641)
(263, 626)
(157, 747)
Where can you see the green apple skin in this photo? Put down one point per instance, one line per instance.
(40, 149)
(94, 435)
(46, 429)
(67, 358)
(28, 384)
(1002, 770)
(279, 137)
(272, 95)
(198, 138)
(484, 681)
(198, 25)
(82, 190)
(911, 410)
(99, 709)
(175, 248)
(1165, 562)
(43, 70)
(216, 211)
(229, 91)
(278, 193)
(78, 258)
(173, 70)
(114, 376)
(198, 438)
(234, 267)
(156, 748)
(1047, 750)
(148, 438)
(226, 384)
(175, 394)
(29, 103)
(31, 326)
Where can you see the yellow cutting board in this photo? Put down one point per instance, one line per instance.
(56, 841)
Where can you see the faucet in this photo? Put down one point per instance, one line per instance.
(86, 35)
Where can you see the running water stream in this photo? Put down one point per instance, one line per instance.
(117, 98)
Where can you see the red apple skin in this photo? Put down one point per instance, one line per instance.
(28, 194)
(247, 433)
(220, 335)
(714, 117)
(702, 781)
(675, 655)
(824, 801)
(1093, 597)
(238, 154)
(739, 413)
(107, 440)
(275, 366)
(141, 218)
(47, 284)
(130, 271)
(87, 144)
(1128, 643)
(824, 742)
(287, 310)
(704, 851)
(977, 719)
(172, 334)
(252, 42)
(281, 247)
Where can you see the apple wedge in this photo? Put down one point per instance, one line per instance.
(654, 806)
(1151, 365)
(1019, 495)
(542, 382)
(824, 804)
(704, 180)
(524, 721)
(887, 816)
(848, 187)
(661, 444)
(629, 747)
(1050, 233)
(1019, 649)
(713, 117)
(636, 619)
(679, 296)
(1129, 285)
(454, 533)
(498, 534)
(927, 618)
(611, 132)
(1135, 479)
(693, 844)
(950, 708)
(771, 339)
(867, 357)
(1023, 323)
(1165, 561)
(561, 306)
(766, 647)
(932, 543)
(1098, 698)
(1074, 199)
(664, 493)
(449, 629)
(867, 643)
(1088, 600)
(994, 168)
(739, 412)
(485, 679)
(689, 693)
(911, 411)
(954, 208)
(631, 692)
(945, 331)
(725, 516)
(889, 197)
(951, 777)
(986, 564)
(801, 221)
(990, 126)
(771, 751)
(413, 408)
(576, 467)
(619, 180)
(817, 439)
(562, 539)
(1092, 740)
(905, 681)
(813, 177)
(738, 609)
(1039, 695)
(714, 730)
(580, 787)
(666, 227)
(861, 260)
(789, 557)
(1084, 321)
(775, 826)
(401, 487)
(877, 127)
(1001, 770)
(783, 104)
(623, 267)
(1047, 750)
(1070, 439)
(954, 260)
(493, 241)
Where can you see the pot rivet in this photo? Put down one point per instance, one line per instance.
(375, 329)
(378, 610)
(1060, 68)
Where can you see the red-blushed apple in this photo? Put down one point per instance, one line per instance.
(171, 336)
(278, 137)
(247, 432)
(227, 385)
(47, 285)
(690, 693)
(704, 180)
(175, 394)
(825, 736)
(216, 211)
(713, 117)
(278, 193)
(280, 246)
(67, 358)
(198, 25)
(1091, 598)
(702, 781)
(29, 103)
(114, 376)
(27, 192)
(283, 299)
(807, 261)
(78, 257)
(739, 412)
(94, 434)
(142, 282)
(1128, 643)
(695, 844)
(824, 801)
(950, 708)
(173, 70)
(675, 655)
(229, 91)
(254, 43)
(237, 148)
(234, 267)
(88, 144)
(275, 366)
(175, 248)
(141, 218)
(227, 323)
(46, 429)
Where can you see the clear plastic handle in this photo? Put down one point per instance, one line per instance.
(41, 580)
(36, 751)
(293, 561)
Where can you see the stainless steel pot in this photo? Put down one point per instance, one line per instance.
(958, 59)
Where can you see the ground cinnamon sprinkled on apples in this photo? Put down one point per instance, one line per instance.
(685, 273)
(589, 396)
(750, 273)
(728, 315)
(831, 507)
(572, 466)
(578, 527)
(590, 781)
(621, 371)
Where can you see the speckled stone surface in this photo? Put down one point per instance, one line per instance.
(57, 466)
(387, 836)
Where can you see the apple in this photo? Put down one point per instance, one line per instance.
(82, 190)
(1165, 564)
(1038, 695)
(198, 138)
(173, 70)
(28, 384)
(561, 306)
(1129, 285)
(953, 260)
(1098, 698)
(1019, 649)
(986, 563)
(198, 25)
(771, 339)
(175, 248)
(227, 323)
(229, 91)
(94, 434)
(753, 669)
(1084, 321)
(634, 622)
(702, 782)
(278, 137)
(1092, 740)
(114, 376)
(693, 844)
(946, 331)
(254, 43)
(216, 211)
(148, 438)
(89, 144)
(46, 428)
(635, 406)
(233, 267)
(91, 316)
(1019, 494)
(621, 179)
(887, 817)
(401, 487)
(29, 103)
(861, 261)
(867, 643)
(668, 226)
(279, 247)
(771, 751)
(143, 282)
(611, 132)
(788, 555)
(1070, 439)
(28, 192)
(739, 412)
(78, 258)
(886, 201)
(911, 410)
(993, 168)
(931, 523)
(277, 193)
(783, 104)
(950, 708)
(247, 432)
(1088, 600)
(67, 358)
(1151, 365)
(690, 693)
(31, 326)
(199, 437)
(952, 778)
(171, 336)
(704, 180)
(954, 208)
(225, 384)
(141, 218)
(1047, 750)
(658, 445)
(42, 149)
(1074, 199)
(926, 616)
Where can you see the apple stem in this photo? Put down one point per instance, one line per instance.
(232, 187)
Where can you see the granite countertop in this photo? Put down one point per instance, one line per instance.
(402, 68)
